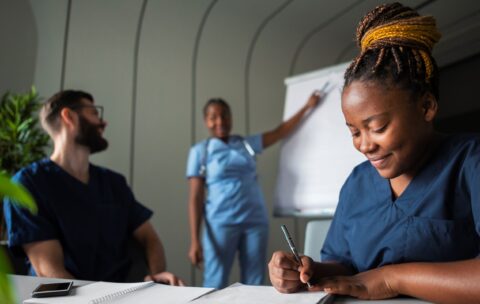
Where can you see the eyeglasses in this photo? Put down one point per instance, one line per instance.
(98, 109)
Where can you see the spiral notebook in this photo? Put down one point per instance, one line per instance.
(144, 292)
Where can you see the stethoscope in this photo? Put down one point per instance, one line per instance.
(203, 167)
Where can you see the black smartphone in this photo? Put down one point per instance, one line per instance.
(52, 290)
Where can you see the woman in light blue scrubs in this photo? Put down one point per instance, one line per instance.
(408, 219)
(224, 168)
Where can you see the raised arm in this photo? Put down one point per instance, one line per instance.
(286, 127)
(47, 259)
(452, 282)
(196, 200)
(145, 234)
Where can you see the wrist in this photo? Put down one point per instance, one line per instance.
(157, 271)
(392, 277)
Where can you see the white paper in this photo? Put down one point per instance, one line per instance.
(145, 294)
(248, 294)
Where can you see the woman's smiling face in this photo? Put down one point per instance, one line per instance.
(218, 121)
(388, 125)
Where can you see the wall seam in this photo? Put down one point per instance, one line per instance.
(134, 91)
(249, 60)
(194, 68)
(65, 46)
(317, 29)
(198, 36)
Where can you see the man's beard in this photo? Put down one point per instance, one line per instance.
(89, 136)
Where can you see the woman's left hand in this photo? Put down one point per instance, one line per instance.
(370, 285)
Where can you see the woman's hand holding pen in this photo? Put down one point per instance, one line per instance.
(287, 275)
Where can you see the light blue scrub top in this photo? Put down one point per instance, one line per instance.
(233, 193)
(436, 218)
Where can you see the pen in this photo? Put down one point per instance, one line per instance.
(293, 248)
(325, 85)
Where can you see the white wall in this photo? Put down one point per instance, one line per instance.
(18, 51)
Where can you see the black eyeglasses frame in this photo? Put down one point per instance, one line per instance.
(98, 108)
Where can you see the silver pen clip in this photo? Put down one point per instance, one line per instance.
(293, 248)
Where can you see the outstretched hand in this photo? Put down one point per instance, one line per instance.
(314, 99)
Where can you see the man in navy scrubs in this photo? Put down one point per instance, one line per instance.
(86, 214)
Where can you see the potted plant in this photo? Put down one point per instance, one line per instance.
(21, 140)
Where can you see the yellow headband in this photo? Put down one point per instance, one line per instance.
(418, 31)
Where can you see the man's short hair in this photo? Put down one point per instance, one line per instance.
(51, 109)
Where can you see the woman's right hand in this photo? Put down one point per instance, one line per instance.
(196, 254)
(286, 274)
(314, 99)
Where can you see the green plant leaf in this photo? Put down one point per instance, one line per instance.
(21, 140)
(17, 193)
(7, 291)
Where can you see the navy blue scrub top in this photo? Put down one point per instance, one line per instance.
(93, 221)
(436, 218)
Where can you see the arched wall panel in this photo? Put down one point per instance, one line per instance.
(222, 56)
(340, 19)
(163, 123)
(100, 60)
(50, 18)
(271, 61)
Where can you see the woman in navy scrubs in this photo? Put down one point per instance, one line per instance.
(408, 219)
(234, 209)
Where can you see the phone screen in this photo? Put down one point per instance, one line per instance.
(52, 289)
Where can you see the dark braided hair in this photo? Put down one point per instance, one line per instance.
(216, 101)
(396, 45)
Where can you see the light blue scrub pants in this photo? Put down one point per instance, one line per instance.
(220, 243)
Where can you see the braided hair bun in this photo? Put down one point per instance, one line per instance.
(396, 48)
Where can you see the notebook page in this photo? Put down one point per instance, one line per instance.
(243, 294)
(145, 293)
(87, 293)
(160, 293)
